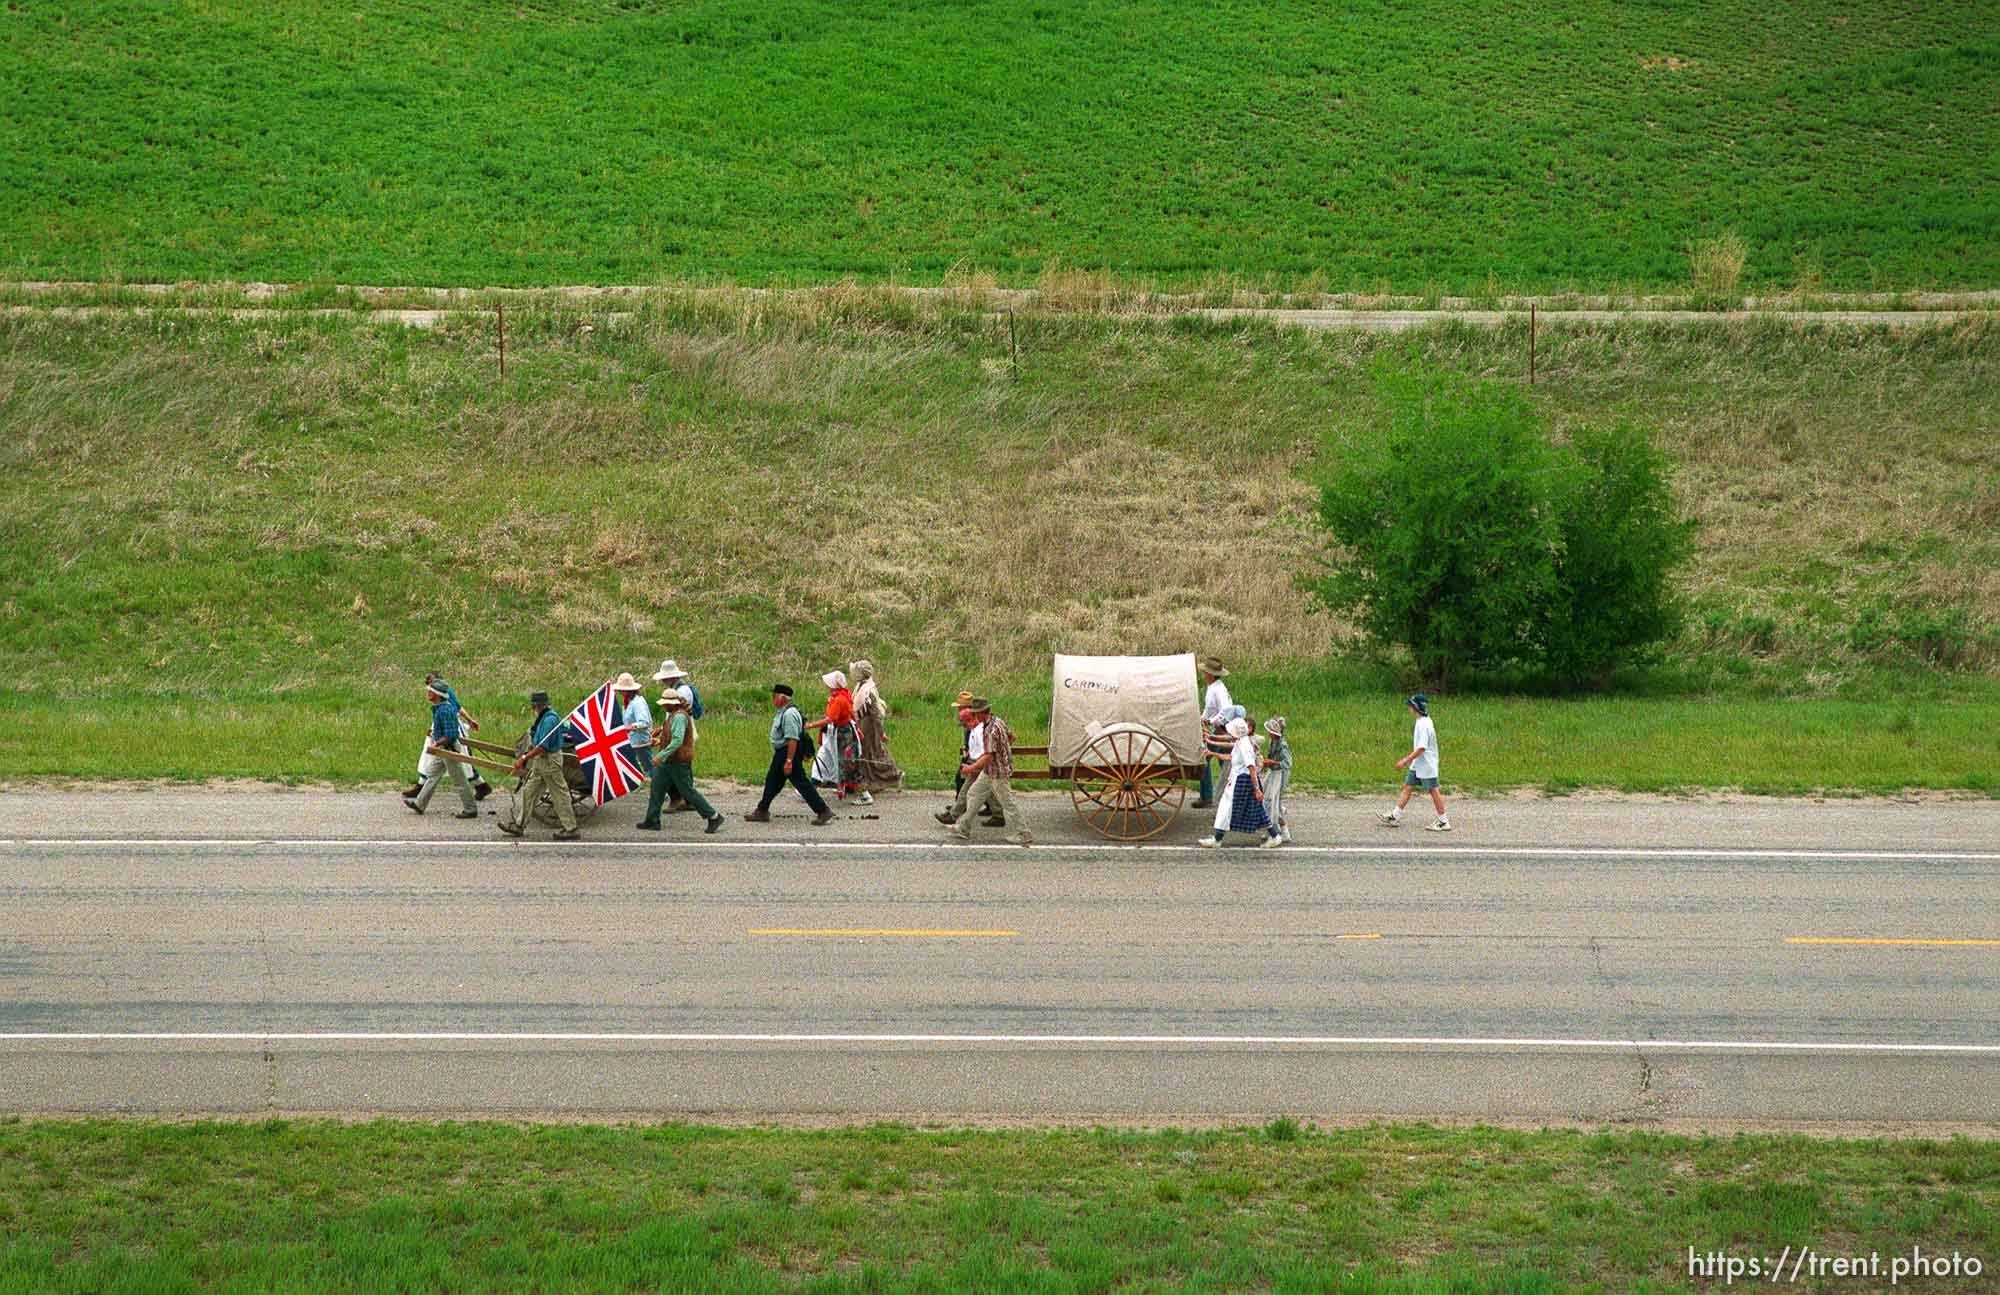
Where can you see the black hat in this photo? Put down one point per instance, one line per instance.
(538, 698)
(1419, 703)
(784, 688)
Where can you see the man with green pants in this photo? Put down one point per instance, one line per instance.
(543, 761)
(673, 767)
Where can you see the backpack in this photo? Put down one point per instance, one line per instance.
(807, 747)
(695, 707)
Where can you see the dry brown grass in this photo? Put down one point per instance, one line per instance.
(1716, 264)
(764, 482)
(1069, 288)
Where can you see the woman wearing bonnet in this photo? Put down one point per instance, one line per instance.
(1240, 808)
(839, 756)
(876, 769)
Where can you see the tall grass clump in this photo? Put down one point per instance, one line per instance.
(1716, 265)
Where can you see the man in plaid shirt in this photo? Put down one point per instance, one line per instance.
(445, 735)
(989, 775)
(427, 764)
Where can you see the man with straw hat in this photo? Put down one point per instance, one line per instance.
(444, 735)
(638, 721)
(670, 676)
(674, 771)
(543, 762)
(990, 774)
(672, 679)
(968, 733)
(1214, 702)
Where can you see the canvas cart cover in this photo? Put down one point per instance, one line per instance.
(1157, 691)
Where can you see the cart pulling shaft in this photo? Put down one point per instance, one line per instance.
(432, 748)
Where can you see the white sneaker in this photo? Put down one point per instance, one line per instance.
(1389, 820)
(1209, 842)
(865, 798)
(1272, 842)
(1442, 825)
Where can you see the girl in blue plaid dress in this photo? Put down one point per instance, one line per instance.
(1277, 766)
(1241, 806)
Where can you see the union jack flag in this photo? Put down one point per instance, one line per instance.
(601, 737)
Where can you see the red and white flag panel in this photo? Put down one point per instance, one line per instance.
(601, 739)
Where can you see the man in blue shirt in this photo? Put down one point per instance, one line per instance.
(444, 735)
(638, 720)
(427, 764)
(788, 736)
(543, 761)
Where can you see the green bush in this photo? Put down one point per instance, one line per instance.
(1621, 541)
(1445, 525)
(1465, 535)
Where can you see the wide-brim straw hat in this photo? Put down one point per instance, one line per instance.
(626, 683)
(1213, 665)
(961, 700)
(671, 700)
(668, 670)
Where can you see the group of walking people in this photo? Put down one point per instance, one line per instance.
(845, 752)
(1252, 802)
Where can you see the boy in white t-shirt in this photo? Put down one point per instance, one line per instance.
(1420, 767)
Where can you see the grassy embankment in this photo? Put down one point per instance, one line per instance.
(231, 548)
(1425, 146)
(1397, 1208)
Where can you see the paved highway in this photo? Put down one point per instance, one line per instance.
(458, 976)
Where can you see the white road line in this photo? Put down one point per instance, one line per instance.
(1082, 1040)
(663, 848)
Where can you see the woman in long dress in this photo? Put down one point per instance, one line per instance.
(1277, 766)
(839, 758)
(877, 769)
(1241, 805)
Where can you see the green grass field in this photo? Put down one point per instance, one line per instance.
(233, 547)
(1429, 145)
(1403, 1209)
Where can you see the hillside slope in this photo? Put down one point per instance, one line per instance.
(286, 520)
(1433, 144)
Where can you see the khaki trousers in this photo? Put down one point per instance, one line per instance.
(999, 792)
(545, 774)
(436, 776)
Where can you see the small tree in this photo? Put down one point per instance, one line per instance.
(1447, 535)
(1614, 600)
(1466, 536)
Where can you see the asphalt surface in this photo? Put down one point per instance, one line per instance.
(436, 967)
(1528, 822)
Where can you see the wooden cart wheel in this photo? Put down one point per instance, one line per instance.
(580, 798)
(545, 809)
(1126, 784)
